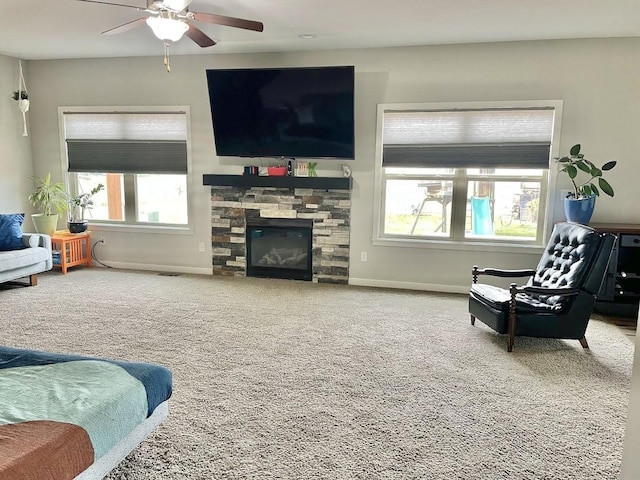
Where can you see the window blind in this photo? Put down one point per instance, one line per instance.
(487, 138)
(124, 142)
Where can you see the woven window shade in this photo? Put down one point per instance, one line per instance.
(507, 138)
(126, 142)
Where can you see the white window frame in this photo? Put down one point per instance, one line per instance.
(132, 225)
(457, 240)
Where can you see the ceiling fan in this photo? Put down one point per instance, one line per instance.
(171, 19)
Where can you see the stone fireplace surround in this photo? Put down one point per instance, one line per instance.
(327, 202)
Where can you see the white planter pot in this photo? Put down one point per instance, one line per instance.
(23, 105)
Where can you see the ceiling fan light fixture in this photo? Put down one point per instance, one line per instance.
(167, 29)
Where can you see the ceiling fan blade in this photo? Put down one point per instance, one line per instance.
(125, 27)
(114, 4)
(199, 37)
(228, 21)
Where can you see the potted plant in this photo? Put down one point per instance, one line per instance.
(20, 95)
(50, 199)
(579, 203)
(79, 204)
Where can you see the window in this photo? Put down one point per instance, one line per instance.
(140, 158)
(464, 174)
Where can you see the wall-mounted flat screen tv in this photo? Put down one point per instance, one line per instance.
(283, 112)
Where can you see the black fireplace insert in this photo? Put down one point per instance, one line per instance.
(279, 248)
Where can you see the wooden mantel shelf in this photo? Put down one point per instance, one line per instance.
(326, 183)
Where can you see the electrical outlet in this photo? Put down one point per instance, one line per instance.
(363, 256)
(201, 247)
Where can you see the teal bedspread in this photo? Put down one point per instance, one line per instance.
(98, 396)
(107, 399)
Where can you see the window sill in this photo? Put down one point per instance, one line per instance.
(137, 228)
(478, 246)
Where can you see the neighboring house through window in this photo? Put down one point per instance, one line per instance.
(139, 156)
(464, 173)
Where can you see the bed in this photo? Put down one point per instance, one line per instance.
(74, 417)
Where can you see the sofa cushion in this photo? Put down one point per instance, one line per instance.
(11, 231)
(499, 298)
(14, 259)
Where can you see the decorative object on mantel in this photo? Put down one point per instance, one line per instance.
(312, 169)
(22, 97)
(580, 203)
(79, 204)
(302, 168)
(277, 171)
(51, 199)
(346, 171)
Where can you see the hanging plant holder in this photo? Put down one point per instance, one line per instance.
(22, 97)
(23, 105)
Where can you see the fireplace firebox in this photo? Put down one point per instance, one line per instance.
(279, 248)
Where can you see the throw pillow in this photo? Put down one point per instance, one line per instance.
(31, 241)
(11, 231)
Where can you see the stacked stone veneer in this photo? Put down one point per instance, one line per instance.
(329, 210)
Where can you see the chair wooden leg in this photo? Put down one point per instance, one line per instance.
(583, 342)
(511, 339)
(33, 280)
(473, 320)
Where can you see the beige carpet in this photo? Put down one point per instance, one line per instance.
(295, 380)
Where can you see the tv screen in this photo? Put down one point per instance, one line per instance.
(283, 112)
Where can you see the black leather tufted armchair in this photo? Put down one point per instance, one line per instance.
(558, 298)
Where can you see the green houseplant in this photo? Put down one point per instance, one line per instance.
(583, 175)
(20, 95)
(79, 204)
(51, 200)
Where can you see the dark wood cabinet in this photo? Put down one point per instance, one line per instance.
(620, 293)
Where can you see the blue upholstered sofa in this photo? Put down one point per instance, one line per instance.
(29, 261)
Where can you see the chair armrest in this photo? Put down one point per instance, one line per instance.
(566, 292)
(497, 272)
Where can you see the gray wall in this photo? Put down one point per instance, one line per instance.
(596, 79)
(15, 150)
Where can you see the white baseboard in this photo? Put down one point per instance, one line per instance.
(428, 287)
(157, 268)
(361, 282)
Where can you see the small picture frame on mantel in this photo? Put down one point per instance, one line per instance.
(302, 169)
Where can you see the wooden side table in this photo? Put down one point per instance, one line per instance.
(71, 249)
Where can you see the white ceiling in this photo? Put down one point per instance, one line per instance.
(56, 29)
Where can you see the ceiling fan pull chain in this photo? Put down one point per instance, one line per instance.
(166, 57)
